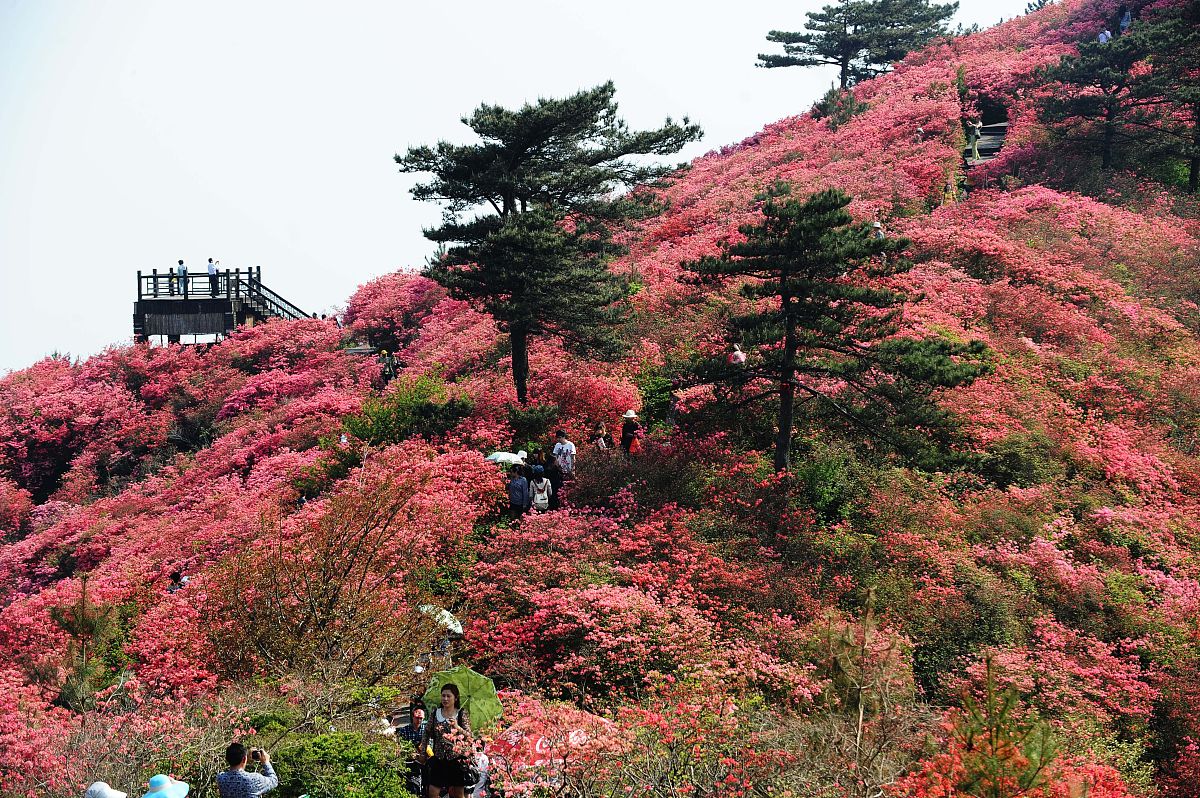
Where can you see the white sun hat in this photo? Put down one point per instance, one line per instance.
(100, 789)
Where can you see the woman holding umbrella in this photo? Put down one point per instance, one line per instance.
(448, 737)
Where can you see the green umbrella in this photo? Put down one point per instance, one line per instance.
(476, 693)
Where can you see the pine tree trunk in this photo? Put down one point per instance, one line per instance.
(519, 339)
(1106, 146)
(1194, 161)
(787, 389)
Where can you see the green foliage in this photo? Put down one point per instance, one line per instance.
(831, 479)
(862, 38)
(1024, 460)
(516, 256)
(654, 385)
(990, 614)
(414, 406)
(531, 423)
(1170, 40)
(838, 107)
(340, 765)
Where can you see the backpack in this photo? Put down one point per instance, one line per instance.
(541, 495)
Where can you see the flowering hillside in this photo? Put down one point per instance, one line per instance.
(1022, 617)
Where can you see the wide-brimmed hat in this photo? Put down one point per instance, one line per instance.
(163, 786)
(630, 414)
(877, 224)
(100, 789)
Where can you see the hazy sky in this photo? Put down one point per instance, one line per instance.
(135, 133)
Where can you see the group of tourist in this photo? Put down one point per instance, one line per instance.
(180, 281)
(447, 759)
(536, 483)
(1124, 23)
(233, 782)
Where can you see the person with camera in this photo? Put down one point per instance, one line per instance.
(237, 782)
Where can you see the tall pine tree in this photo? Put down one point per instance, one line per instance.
(529, 212)
(1170, 39)
(830, 333)
(862, 38)
(1094, 103)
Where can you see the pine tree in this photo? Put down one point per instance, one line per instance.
(529, 212)
(862, 38)
(90, 628)
(1004, 755)
(1170, 39)
(1094, 103)
(835, 323)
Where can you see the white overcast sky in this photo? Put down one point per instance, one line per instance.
(135, 133)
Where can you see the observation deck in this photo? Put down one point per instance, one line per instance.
(172, 305)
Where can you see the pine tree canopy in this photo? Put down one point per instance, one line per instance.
(829, 332)
(530, 210)
(862, 38)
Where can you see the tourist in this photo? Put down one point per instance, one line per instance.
(564, 453)
(388, 362)
(173, 280)
(446, 769)
(163, 786)
(600, 437)
(974, 132)
(555, 474)
(1126, 19)
(178, 582)
(518, 492)
(737, 357)
(212, 278)
(237, 782)
(414, 730)
(1105, 36)
(540, 490)
(631, 433)
(100, 789)
(481, 767)
(181, 273)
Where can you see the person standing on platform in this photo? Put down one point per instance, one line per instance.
(212, 278)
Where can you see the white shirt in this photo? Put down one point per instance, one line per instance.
(564, 453)
(212, 268)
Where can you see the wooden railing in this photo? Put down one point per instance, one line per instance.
(241, 284)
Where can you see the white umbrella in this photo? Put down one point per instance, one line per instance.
(443, 617)
(508, 458)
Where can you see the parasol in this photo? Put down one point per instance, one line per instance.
(476, 694)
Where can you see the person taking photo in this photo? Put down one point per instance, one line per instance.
(237, 782)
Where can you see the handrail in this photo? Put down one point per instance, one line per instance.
(275, 304)
(228, 284)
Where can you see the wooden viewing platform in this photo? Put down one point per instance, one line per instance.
(172, 305)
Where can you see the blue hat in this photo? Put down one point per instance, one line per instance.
(166, 787)
(538, 471)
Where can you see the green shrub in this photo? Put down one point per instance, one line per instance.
(531, 423)
(831, 480)
(415, 406)
(838, 106)
(1024, 460)
(340, 765)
